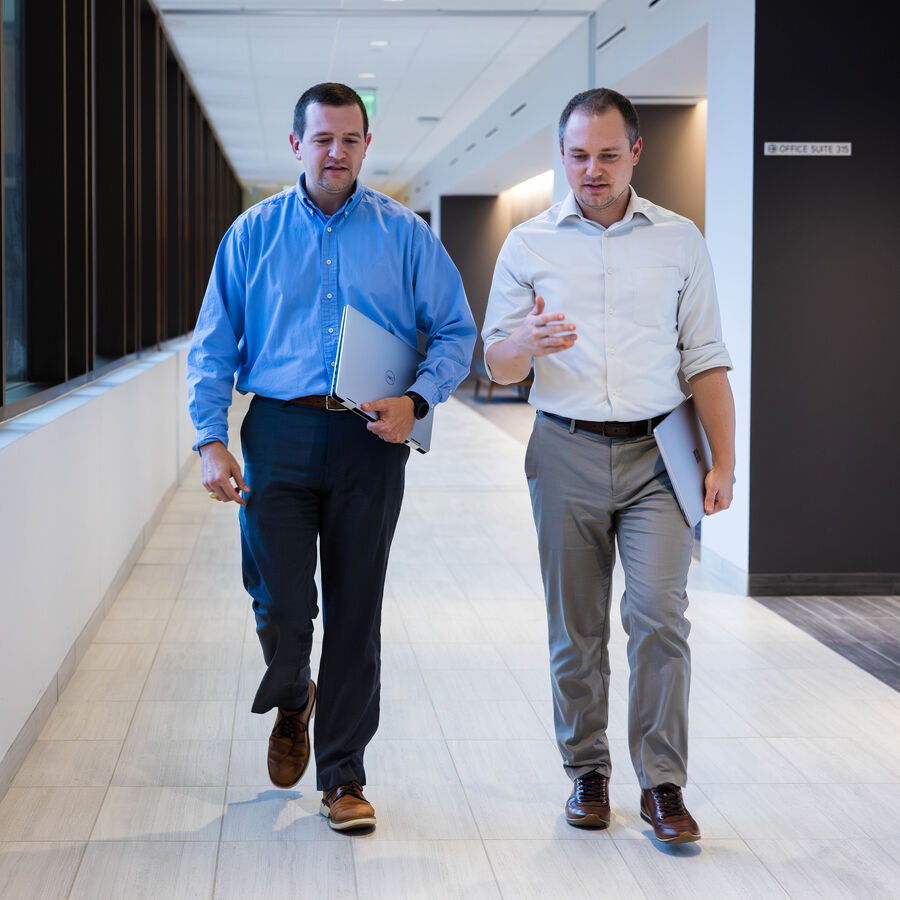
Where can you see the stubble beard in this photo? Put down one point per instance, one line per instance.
(604, 204)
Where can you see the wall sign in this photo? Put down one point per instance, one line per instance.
(807, 148)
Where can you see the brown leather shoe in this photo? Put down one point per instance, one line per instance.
(588, 807)
(663, 807)
(345, 807)
(289, 743)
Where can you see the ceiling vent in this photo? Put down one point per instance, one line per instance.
(518, 109)
(492, 131)
(470, 147)
(611, 37)
(428, 120)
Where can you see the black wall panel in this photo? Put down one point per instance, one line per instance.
(825, 410)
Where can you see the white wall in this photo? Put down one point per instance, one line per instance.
(80, 481)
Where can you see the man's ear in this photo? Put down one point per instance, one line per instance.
(295, 142)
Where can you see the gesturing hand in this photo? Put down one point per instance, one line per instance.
(543, 333)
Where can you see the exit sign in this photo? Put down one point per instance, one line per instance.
(369, 97)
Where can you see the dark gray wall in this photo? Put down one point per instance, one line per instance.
(825, 408)
(473, 229)
(672, 169)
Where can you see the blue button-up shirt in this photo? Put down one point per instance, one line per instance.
(282, 276)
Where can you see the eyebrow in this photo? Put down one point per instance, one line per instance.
(317, 134)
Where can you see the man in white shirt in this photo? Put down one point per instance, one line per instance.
(611, 298)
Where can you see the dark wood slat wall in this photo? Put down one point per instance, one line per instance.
(127, 193)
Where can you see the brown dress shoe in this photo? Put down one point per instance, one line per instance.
(588, 807)
(663, 807)
(289, 743)
(345, 807)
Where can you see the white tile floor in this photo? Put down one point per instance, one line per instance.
(149, 779)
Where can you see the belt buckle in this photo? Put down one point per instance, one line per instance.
(617, 429)
(333, 405)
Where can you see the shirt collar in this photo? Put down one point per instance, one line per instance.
(636, 206)
(350, 204)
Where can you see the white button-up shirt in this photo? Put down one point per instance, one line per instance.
(641, 294)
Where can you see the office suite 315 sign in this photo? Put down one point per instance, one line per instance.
(807, 148)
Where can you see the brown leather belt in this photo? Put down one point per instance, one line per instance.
(319, 401)
(610, 429)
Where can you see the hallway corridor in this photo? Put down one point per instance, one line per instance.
(149, 779)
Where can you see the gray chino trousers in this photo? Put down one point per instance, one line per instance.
(587, 493)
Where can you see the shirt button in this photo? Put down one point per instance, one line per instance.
(330, 330)
(327, 262)
(612, 311)
(332, 365)
(612, 351)
(609, 271)
(329, 296)
(328, 228)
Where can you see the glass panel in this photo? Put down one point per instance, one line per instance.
(13, 205)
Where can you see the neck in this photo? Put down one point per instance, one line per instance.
(328, 203)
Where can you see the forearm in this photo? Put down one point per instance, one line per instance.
(507, 361)
(714, 403)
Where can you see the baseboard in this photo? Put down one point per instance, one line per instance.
(825, 584)
(725, 570)
(30, 731)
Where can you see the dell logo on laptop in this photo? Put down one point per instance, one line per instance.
(389, 377)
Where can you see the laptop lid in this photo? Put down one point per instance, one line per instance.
(372, 364)
(685, 451)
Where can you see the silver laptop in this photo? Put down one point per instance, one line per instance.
(685, 451)
(372, 363)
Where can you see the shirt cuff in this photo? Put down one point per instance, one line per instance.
(699, 359)
(426, 388)
(207, 437)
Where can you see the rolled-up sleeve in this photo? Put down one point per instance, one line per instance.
(215, 348)
(443, 316)
(511, 297)
(700, 340)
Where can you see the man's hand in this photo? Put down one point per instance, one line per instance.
(719, 489)
(218, 467)
(543, 333)
(539, 335)
(396, 418)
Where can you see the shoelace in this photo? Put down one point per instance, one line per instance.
(668, 801)
(289, 726)
(591, 787)
(352, 788)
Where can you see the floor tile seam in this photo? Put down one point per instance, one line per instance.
(766, 867)
(137, 704)
(77, 868)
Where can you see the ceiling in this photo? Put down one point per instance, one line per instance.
(445, 60)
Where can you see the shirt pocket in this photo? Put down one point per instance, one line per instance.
(656, 291)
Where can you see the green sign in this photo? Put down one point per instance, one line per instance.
(369, 97)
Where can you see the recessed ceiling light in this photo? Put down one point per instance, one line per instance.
(378, 43)
(366, 74)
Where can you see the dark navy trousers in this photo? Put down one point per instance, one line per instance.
(320, 475)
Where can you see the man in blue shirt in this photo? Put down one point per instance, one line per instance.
(282, 275)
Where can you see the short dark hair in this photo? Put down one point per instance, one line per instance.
(597, 101)
(328, 93)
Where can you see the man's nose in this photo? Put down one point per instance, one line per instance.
(594, 168)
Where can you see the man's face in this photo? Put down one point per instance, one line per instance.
(332, 149)
(599, 159)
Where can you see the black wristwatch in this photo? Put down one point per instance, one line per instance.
(420, 404)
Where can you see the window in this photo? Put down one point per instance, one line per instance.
(115, 194)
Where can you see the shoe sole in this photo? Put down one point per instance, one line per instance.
(686, 837)
(284, 785)
(361, 822)
(591, 821)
